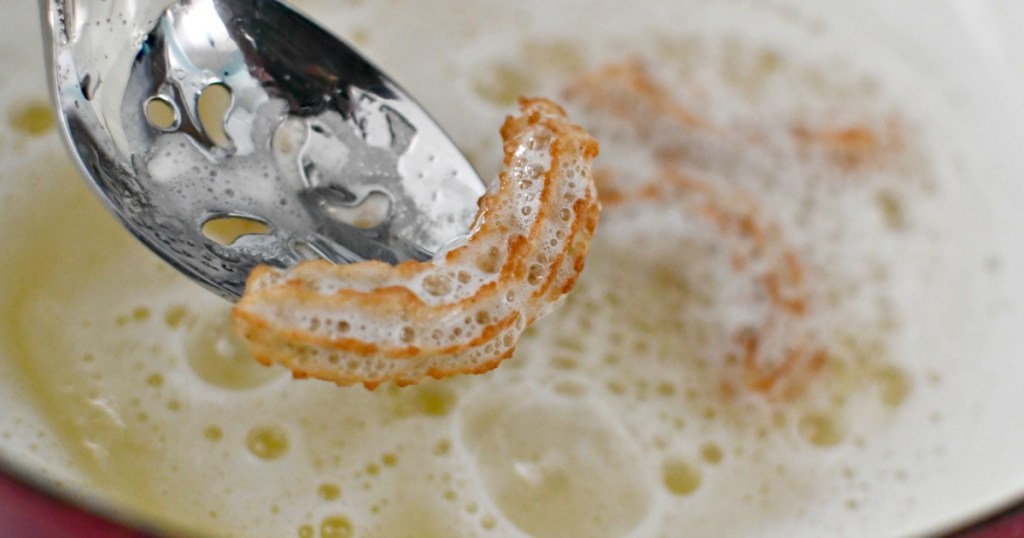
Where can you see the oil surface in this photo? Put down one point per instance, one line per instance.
(612, 419)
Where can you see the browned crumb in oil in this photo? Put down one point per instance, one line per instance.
(653, 115)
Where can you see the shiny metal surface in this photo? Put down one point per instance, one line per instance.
(316, 143)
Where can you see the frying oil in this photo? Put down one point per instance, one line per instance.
(615, 418)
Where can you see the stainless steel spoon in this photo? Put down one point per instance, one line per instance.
(229, 133)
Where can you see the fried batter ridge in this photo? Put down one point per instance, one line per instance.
(462, 312)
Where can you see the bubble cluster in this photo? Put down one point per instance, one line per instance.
(554, 467)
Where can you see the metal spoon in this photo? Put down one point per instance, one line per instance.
(230, 133)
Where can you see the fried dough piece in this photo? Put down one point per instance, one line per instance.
(462, 312)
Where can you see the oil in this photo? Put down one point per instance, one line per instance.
(580, 436)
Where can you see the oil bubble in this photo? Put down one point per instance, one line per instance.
(267, 442)
(712, 453)
(336, 527)
(821, 430)
(213, 433)
(34, 119)
(221, 359)
(894, 385)
(329, 492)
(680, 477)
(174, 316)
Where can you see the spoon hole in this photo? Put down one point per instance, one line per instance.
(213, 106)
(374, 210)
(226, 230)
(162, 113)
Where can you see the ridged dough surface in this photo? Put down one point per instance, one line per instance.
(462, 312)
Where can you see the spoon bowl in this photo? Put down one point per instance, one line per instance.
(230, 133)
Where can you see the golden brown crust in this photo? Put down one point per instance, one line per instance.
(373, 323)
